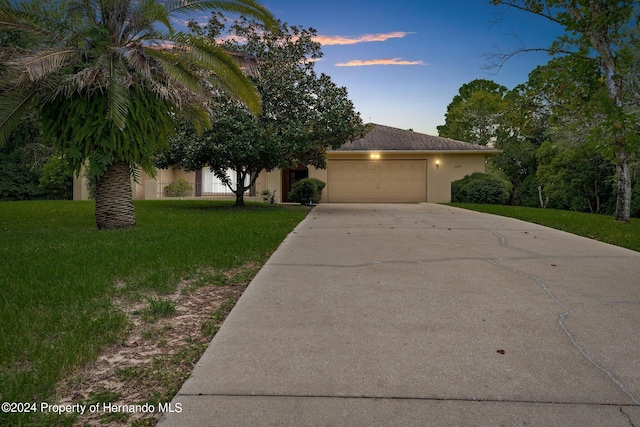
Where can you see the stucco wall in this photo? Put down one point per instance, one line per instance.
(270, 181)
(442, 169)
(150, 189)
(451, 167)
(320, 174)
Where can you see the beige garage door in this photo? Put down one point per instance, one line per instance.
(376, 181)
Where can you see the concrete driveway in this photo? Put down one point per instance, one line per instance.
(425, 314)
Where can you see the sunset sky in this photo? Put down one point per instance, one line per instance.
(403, 61)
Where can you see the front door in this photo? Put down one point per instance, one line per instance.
(290, 177)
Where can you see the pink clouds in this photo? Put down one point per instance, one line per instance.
(383, 61)
(366, 38)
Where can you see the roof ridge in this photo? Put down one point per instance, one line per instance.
(389, 138)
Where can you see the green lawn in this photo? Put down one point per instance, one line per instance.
(599, 227)
(60, 274)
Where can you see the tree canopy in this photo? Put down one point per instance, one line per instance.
(473, 114)
(304, 113)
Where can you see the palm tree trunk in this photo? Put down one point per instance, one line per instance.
(114, 200)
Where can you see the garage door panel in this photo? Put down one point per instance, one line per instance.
(378, 181)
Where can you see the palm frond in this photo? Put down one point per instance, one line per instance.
(7, 25)
(148, 12)
(119, 99)
(249, 96)
(175, 68)
(13, 105)
(249, 8)
(35, 18)
(86, 8)
(86, 80)
(138, 61)
(197, 115)
(225, 72)
(172, 94)
(40, 65)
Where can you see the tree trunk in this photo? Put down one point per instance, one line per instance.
(239, 191)
(542, 203)
(239, 198)
(600, 32)
(623, 204)
(114, 200)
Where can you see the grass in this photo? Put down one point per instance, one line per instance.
(599, 227)
(60, 275)
(159, 307)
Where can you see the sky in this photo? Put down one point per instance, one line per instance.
(403, 61)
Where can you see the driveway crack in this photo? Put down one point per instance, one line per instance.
(628, 417)
(545, 286)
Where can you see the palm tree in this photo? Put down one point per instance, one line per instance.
(109, 79)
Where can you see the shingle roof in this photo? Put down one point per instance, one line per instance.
(385, 138)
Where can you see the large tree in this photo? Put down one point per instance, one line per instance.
(110, 77)
(474, 113)
(237, 141)
(558, 105)
(304, 113)
(485, 112)
(602, 30)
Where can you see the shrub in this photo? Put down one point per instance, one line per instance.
(307, 191)
(56, 181)
(178, 188)
(480, 188)
(269, 196)
(319, 184)
(17, 182)
(527, 193)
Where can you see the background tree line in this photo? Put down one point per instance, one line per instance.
(29, 165)
(570, 134)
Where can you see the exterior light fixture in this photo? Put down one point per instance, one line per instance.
(374, 156)
(437, 163)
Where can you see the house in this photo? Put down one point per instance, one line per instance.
(388, 165)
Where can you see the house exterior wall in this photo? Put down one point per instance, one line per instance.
(320, 174)
(270, 181)
(148, 188)
(151, 189)
(451, 167)
(80, 188)
(442, 168)
(273, 181)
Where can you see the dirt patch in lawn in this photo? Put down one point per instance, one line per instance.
(167, 336)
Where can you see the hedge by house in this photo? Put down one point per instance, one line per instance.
(480, 188)
(307, 191)
(178, 188)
